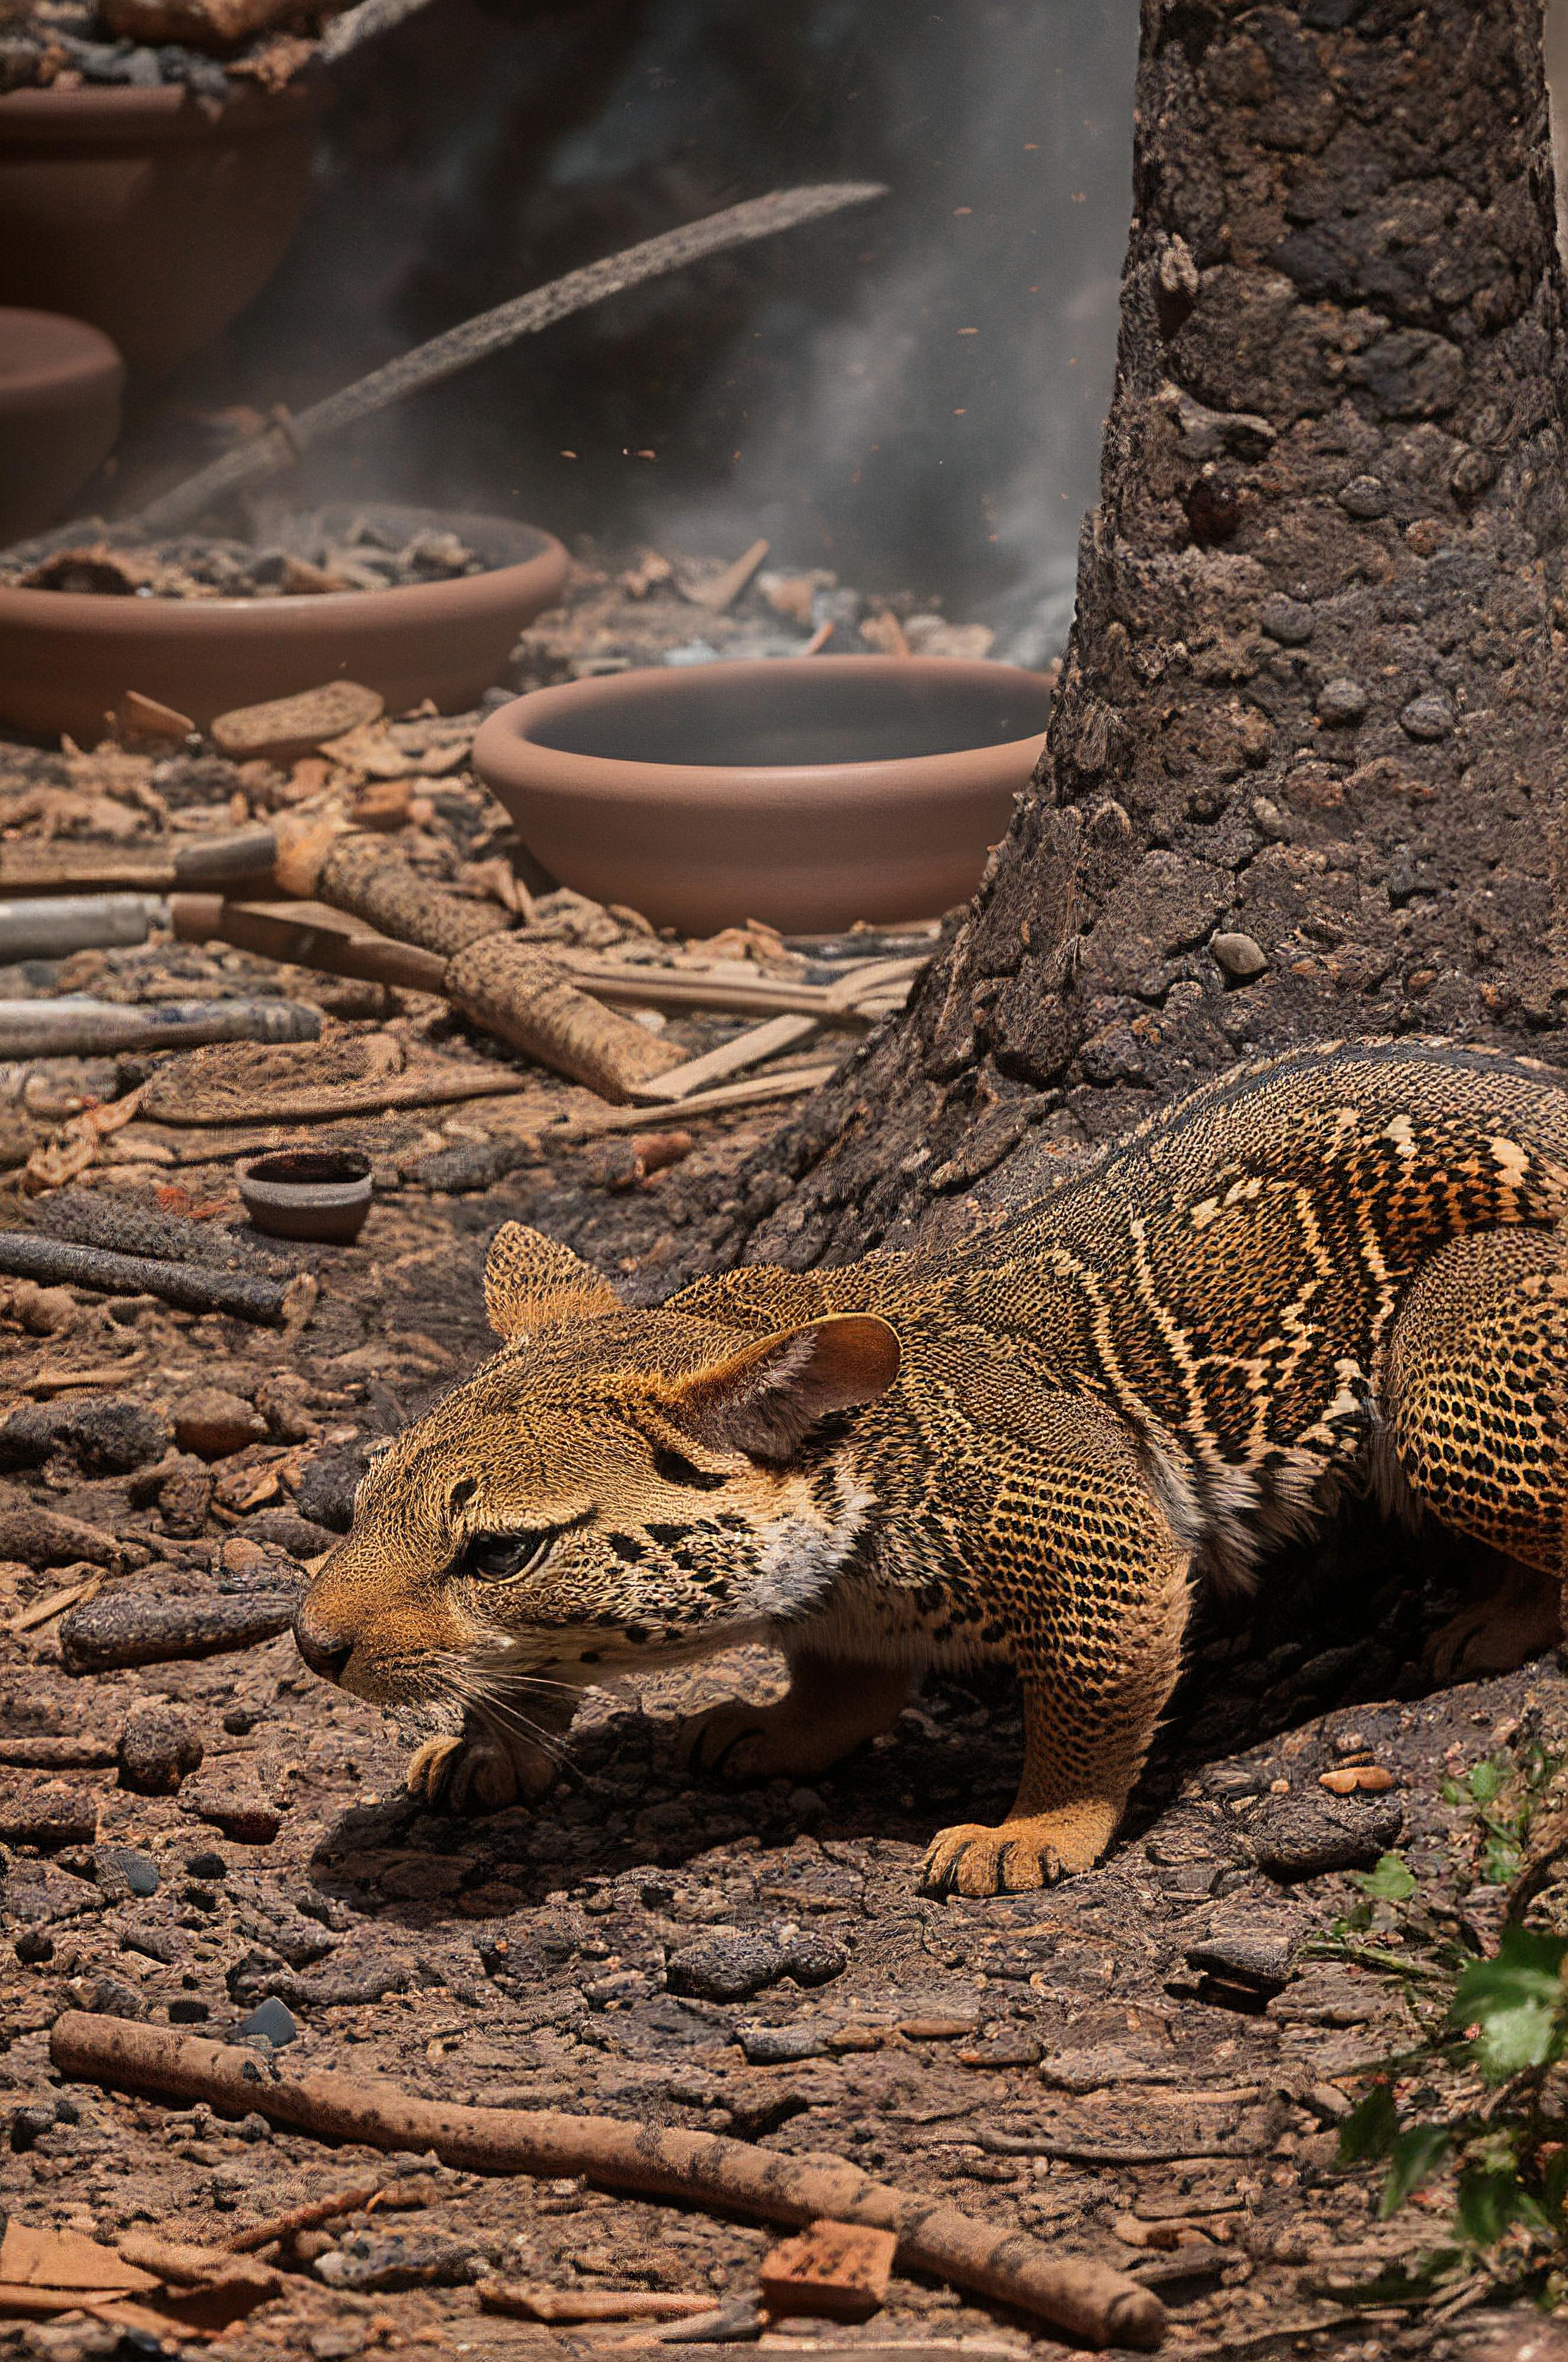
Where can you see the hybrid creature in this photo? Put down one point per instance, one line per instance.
(1346, 1265)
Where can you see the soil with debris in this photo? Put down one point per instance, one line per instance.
(199, 566)
(1145, 2066)
(65, 44)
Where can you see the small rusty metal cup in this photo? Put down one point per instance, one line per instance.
(307, 1193)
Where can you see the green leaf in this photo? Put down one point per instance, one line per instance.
(1371, 2127)
(1414, 2157)
(1487, 2201)
(1391, 1882)
(1484, 1781)
(1517, 2001)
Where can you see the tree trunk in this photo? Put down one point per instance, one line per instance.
(1305, 776)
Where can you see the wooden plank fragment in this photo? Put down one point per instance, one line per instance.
(837, 2269)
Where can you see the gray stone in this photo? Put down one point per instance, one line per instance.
(157, 1750)
(1341, 701)
(122, 1868)
(1429, 715)
(813, 1959)
(1256, 1956)
(1363, 496)
(1241, 956)
(272, 2019)
(778, 2046)
(726, 1968)
(1289, 621)
(1303, 1837)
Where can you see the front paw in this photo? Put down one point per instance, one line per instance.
(972, 1858)
(479, 1774)
(1025, 1851)
(730, 1742)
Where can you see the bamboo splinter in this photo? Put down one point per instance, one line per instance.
(1090, 2300)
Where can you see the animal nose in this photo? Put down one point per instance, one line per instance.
(323, 1652)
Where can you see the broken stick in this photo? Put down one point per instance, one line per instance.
(1091, 2302)
(78, 1028)
(490, 332)
(106, 1635)
(192, 1287)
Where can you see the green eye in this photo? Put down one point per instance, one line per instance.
(499, 1558)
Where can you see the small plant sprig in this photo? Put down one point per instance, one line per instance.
(1475, 2097)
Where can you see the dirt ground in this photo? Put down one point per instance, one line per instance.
(1145, 2065)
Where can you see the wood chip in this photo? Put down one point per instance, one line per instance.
(147, 717)
(838, 2269)
(287, 727)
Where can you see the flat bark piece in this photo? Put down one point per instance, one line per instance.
(287, 727)
(30, 2257)
(838, 2269)
(127, 1629)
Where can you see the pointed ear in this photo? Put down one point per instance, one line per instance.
(531, 1283)
(767, 1398)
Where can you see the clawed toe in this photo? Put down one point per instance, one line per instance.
(973, 1860)
(477, 1776)
(725, 1744)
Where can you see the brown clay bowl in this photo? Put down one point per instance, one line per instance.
(60, 413)
(807, 792)
(148, 213)
(302, 1193)
(67, 657)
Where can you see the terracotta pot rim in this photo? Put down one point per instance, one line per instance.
(115, 112)
(68, 353)
(610, 779)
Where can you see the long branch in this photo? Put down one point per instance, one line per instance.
(457, 349)
(1090, 2300)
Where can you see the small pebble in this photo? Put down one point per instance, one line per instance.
(1341, 701)
(775, 2046)
(1241, 956)
(206, 1865)
(33, 1947)
(1428, 716)
(1289, 621)
(213, 1423)
(1363, 496)
(186, 2010)
(158, 1750)
(272, 2019)
(121, 1864)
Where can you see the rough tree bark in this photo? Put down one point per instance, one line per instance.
(1306, 773)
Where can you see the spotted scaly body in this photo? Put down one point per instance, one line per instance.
(1347, 1260)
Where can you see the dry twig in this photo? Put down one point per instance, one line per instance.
(1090, 2300)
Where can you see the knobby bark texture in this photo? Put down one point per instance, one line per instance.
(1305, 777)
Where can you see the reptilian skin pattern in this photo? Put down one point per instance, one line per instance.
(1346, 1264)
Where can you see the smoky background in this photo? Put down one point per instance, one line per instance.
(910, 394)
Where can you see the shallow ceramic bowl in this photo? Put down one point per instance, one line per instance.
(60, 413)
(307, 1193)
(67, 657)
(807, 792)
